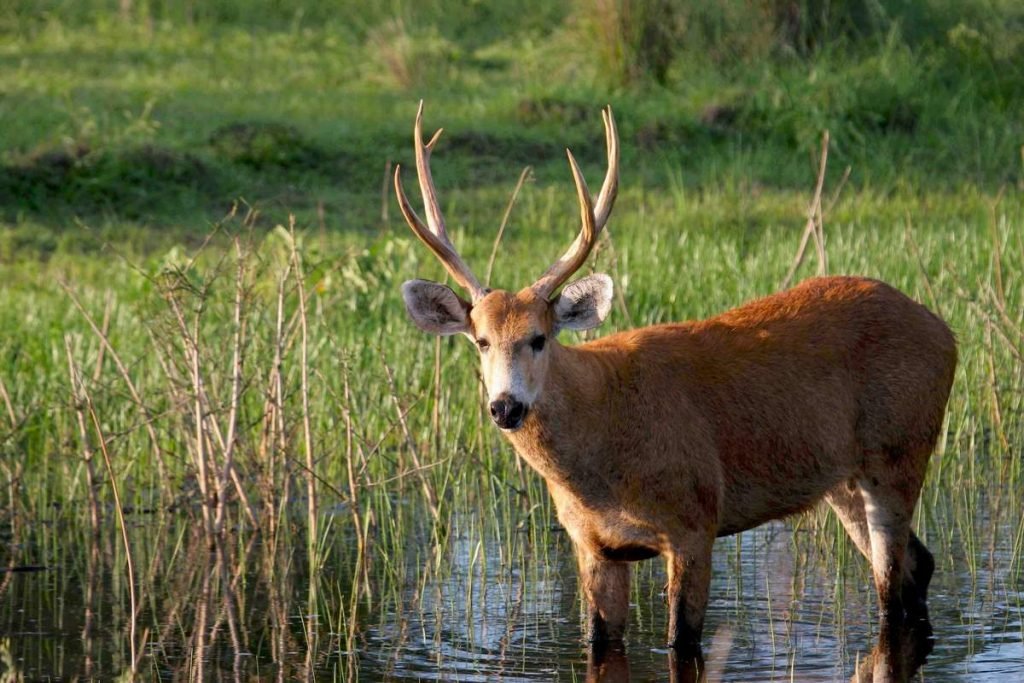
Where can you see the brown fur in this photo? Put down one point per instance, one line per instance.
(660, 439)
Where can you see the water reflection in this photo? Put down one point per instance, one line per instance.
(895, 658)
(611, 665)
(477, 609)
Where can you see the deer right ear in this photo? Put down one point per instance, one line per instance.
(435, 308)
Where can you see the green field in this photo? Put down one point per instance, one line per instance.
(200, 259)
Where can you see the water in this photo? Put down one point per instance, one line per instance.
(494, 605)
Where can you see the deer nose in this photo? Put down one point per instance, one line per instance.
(507, 412)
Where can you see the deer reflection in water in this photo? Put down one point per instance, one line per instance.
(895, 657)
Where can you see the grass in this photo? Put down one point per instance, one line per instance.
(150, 165)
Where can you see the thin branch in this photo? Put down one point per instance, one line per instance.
(124, 531)
(304, 377)
(236, 383)
(523, 177)
(933, 300)
(428, 491)
(125, 375)
(385, 191)
(78, 401)
(8, 404)
(813, 227)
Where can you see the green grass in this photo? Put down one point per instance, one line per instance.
(158, 121)
(125, 143)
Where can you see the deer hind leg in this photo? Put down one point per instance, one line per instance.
(605, 586)
(921, 566)
(889, 487)
(889, 530)
(848, 503)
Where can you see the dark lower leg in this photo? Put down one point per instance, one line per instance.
(685, 667)
(888, 507)
(689, 579)
(607, 663)
(920, 565)
(848, 504)
(606, 589)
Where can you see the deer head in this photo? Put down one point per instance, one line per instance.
(515, 333)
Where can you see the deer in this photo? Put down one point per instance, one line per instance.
(658, 440)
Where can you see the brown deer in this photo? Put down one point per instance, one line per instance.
(655, 441)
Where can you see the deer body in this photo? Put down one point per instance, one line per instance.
(750, 415)
(655, 441)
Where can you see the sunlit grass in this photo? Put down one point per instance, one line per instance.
(125, 143)
(671, 265)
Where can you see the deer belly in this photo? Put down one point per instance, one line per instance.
(620, 541)
(615, 536)
(627, 553)
(746, 505)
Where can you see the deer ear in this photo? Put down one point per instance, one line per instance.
(435, 308)
(584, 304)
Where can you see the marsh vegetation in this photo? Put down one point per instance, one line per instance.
(226, 453)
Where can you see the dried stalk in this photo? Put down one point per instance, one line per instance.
(384, 192)
(815, 223)
(191, 340)
(133, 601)
(353, 488)
(307, 430)
(126, 376)
(273, 418)
(435, 412)
(619, 296)
(523, 177)
(8, 404)
(993, 387)
(108, 309)
(13, 478)
(213, 481)
(78, 401)
(428, 491)
(933, 300)
(228, 472)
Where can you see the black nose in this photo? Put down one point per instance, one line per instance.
(507, 412)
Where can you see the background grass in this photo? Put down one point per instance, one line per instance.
(149, 150)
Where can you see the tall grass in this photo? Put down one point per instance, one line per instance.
(290, 402)
(292, 467)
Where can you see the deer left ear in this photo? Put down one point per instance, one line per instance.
(584, 304)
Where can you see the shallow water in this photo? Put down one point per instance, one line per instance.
(783, 607)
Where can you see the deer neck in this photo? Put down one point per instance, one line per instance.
(569, 424)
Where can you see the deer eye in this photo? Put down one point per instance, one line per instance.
(483, 344)
(537, 343)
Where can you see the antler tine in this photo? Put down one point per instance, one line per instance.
(610, 186)
(594, 216)
(434, 234)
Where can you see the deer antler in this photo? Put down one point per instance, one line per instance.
(435, 236)
(594, 216)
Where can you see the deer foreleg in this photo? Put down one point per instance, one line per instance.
(689, 579)
(606, 588)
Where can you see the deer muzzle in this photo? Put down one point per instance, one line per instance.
(508, 412)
